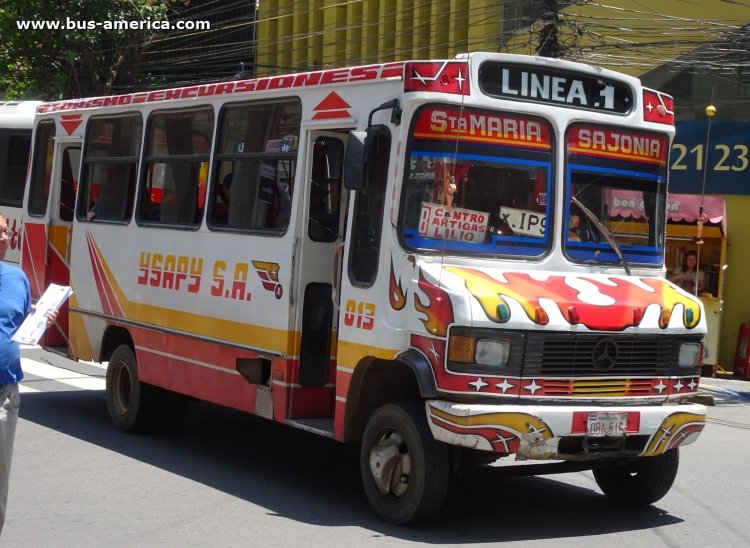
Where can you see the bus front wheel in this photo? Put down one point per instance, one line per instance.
(637, 481)
(405, 472)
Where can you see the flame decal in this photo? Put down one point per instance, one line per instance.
(489, 292)
(673, 431)
(624, 296)
(670, 298)
(522, 423)
(502, 432)
(439, 309)
(396, 294)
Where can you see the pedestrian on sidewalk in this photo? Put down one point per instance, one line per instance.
(15, 305)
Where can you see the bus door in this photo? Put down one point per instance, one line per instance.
(318, 268)
(49, 221)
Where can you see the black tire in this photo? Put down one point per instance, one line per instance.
(398, 447)
(638, 481)
(132, 405)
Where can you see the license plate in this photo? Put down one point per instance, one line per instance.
(606, 424)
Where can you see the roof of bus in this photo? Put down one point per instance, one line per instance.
(333, 77)
(18, 114)
(328, 77)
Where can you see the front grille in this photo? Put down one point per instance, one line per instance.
(596, 354)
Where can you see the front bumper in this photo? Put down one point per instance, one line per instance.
(542, 432)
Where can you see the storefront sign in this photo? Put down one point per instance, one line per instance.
(726, 168)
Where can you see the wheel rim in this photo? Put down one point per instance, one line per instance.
(122, 389)
(390, 464)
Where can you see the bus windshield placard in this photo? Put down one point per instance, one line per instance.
(482, 127)
(618, 144)
(561, 88)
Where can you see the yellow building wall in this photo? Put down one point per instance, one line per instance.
(299, 36)
(736, 287)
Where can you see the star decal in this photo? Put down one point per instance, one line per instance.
(692, 385)
(679, 386)
(537, 432)
(666, 434)
(478, 384)
(660, 387)
(420, 78)
(434, 352)
(504, 441)
(533, 387)
(505, 386)
(460, 79)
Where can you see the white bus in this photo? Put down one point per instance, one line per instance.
(16, 122)
(420, 257)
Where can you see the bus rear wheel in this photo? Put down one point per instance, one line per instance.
(638, 481)
(134, 406)
(404, 471)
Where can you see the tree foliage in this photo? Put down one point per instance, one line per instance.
(73, 62)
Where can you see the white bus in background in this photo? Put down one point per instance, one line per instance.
(16, 122)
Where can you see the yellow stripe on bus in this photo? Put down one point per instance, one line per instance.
(350, 353)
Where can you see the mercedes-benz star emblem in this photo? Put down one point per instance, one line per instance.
(604, 355)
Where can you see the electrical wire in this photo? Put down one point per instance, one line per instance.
(589, 31)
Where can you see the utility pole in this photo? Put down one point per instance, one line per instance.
(548, 43)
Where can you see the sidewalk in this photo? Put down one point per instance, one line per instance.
(723, 391)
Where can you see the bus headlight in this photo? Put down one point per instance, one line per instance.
(473, 350)
(690, 354)
(492, 352)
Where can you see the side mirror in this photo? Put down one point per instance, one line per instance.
(355, 160)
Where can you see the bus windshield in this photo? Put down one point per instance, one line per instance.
(616, 184)
(476, 182)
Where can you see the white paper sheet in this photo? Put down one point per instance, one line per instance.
(35, 324)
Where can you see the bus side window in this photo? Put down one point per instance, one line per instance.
(41, 168)
(325, 190)
(257, 145)
(177, 153)
(368, 215)
(13, 177)
(71, 164)
(109, 167)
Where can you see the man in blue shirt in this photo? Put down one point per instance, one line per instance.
(15, 304)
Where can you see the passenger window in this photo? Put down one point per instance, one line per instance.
(253, 182)
(176, 167)
(108, 174)
(13, 177)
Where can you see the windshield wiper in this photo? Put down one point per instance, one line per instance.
(604, 232)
